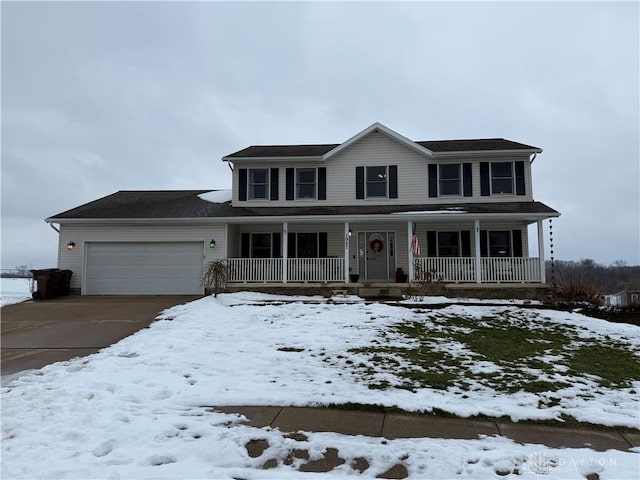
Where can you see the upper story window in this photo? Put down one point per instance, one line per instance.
(377, 182)
(502, 178)
(450, 179)
(258, 184)
(305, 183)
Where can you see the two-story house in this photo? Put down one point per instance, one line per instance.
(455, 210)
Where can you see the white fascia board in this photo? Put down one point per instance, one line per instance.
(487, 153)
(271, 159)
(397, 216)
(382, 129)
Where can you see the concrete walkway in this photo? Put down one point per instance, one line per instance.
(398, 425)
(34, 334)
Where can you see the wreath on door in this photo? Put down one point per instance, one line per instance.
(376, 243)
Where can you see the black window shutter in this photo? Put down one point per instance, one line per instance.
(393, 181)
(245, 245)
(484, 250)
(322, 183)
(291, 245)
(322, 244)
(467, 187)
(517, 243)
(520, 188)
(485, 190)
(432, 247)
(276, 251)
(465, 243)
(433, 180)
(359, 182)
(242, 184)
(274, 183)
(290, 174)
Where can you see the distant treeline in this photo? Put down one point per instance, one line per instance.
(608, 278)
(21, 271)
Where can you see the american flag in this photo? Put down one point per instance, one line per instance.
(415, 245)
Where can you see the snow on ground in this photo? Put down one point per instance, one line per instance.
(138, 409)
(14, 290)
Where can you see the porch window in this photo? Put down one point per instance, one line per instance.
(306, 183)
(501, 178)
(260, 245)
(450, 179)
(449, 244)
(258, 183)
(376, 182)
(307, 245)
(501, 243)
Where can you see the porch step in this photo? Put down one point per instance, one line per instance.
(372, 293)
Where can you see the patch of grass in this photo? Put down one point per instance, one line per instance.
(615, 366)
(519, 353)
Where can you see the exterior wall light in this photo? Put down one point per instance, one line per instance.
(71, 245)
(212, 243)
(349, 233)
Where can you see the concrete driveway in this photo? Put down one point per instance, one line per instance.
(34, 334)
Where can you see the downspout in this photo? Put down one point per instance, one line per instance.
(53, 226)
(533, 158)
(230, 165)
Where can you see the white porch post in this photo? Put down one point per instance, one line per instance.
(543, 275)
(478, 262)
(346, 252)
(285, 251)
(410, 250)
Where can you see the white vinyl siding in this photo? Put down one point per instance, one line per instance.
(375, 150)
(82, 233)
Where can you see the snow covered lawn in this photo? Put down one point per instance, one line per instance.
(140, 409)
(14, 290)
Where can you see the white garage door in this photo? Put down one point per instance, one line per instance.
(144, 268)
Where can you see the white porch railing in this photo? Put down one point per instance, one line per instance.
(494, 270)
(315, 269)
(254, 270)
(262, 270)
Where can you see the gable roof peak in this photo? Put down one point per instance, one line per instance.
(378, 127)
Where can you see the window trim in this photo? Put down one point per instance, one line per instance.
(458, 180)
(297, 183)
(367, 182)
(251, 185)
(512, 177)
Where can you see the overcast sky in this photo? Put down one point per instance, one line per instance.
(103, 97)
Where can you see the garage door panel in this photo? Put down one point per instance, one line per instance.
(144, 268)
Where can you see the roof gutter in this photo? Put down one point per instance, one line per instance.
(396, 216)
(50, 222)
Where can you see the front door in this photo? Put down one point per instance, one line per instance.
(378, 255)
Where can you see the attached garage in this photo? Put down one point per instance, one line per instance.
(143, 268)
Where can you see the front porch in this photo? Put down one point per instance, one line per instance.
(430, 269)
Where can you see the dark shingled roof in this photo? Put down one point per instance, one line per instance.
(474, 145)
(174, 204)
(436, 146)
(268, 151)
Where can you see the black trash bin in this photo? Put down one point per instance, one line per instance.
(48, 281)
(64, 285)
